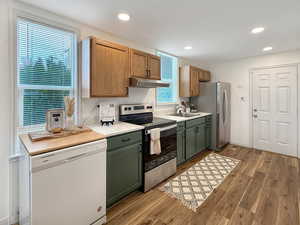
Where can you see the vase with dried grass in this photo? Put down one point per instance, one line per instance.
(69, 108)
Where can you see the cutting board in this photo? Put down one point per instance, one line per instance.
(43, 135)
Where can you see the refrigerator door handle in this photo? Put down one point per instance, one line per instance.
(226, 107)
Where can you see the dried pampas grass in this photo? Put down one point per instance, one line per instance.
(69, 105)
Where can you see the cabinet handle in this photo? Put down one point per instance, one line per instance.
(125, 140)
(149, 73)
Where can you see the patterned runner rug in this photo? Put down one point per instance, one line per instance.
(193, 186)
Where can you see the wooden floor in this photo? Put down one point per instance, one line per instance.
(263, 189)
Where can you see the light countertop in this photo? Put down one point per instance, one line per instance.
(116, 129)
(180, 119)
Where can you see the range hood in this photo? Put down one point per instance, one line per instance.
(146, 83)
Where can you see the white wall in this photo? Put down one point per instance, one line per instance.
(5, 111)
(237, 73)
(7, 10)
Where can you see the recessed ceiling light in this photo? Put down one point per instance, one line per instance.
(188, 47)
(257, 30)
(124, 16)
(269, 48)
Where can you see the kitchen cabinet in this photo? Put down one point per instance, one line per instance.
(105, 69)
(191, 142)
(201, 75)
(205, 76)
(208, 131)
(201, 137)
(196, 138)
(124, 165)
(138, 63)
(188, 81)
(180, 142)
(189, 78)
(154, 67)
(144, 65)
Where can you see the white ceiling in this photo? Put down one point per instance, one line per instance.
(217, 30)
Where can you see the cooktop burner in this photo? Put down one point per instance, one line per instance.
(158, 122)
(142, 114)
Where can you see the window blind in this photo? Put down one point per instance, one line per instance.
(45, 67)
(168, 74)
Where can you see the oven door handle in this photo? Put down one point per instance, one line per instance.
(163, 129)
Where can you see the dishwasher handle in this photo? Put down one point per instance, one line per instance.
(75, 157)
(46, 164)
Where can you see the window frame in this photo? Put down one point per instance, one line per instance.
(174, 79)
(15, 15)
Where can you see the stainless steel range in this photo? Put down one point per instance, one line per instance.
(156, 168)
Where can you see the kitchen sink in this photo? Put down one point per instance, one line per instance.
(186, 114)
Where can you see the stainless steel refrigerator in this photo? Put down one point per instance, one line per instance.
(215, 98)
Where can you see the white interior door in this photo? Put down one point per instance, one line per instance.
(275, 110)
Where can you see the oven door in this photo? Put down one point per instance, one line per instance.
(168, 142)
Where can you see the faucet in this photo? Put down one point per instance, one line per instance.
(180, 109)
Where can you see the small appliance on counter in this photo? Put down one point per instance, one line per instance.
(55, 119)
(156, 167)
(107, 114)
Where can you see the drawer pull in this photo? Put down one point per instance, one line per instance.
(125, 140)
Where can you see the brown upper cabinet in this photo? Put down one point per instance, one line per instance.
(204, 76)
(188, 81)
(105, 69)
(189, 78)
(144, 65)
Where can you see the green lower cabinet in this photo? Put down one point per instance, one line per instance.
(200, 138)
(190, 142)
(124, 171)
(197, 138)
(180, 146)
(208, 137)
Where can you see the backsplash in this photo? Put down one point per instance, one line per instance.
(89, 110)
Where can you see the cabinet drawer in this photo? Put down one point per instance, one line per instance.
(180, 126)
(194, 122)
(124, 140)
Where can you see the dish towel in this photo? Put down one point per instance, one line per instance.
(155, 141)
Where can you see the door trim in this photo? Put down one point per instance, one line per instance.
(251, 71)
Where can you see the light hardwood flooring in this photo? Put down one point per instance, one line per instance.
(263, 189)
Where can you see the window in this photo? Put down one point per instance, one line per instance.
(169, 69)
(45, 70)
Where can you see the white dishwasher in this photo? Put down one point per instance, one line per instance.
(67, 187)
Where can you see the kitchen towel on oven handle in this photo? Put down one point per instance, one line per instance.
(155, 147)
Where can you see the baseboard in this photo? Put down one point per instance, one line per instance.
(240, 145)
(4, 221)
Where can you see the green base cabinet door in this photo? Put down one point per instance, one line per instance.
(208, 131)
(208, 137)
(201, 138)
(180, 146)
(124, 171)
(191, 142)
